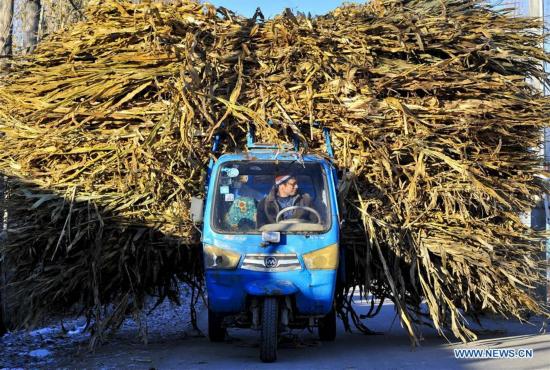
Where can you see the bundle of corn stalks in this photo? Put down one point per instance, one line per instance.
(107, 129)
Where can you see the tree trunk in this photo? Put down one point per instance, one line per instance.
(6, 29)
(31, 20)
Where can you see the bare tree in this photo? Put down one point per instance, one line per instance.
(31, 15)
(6, 29)
(59, 14)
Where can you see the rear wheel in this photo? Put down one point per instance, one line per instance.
(327, 327)
(216, 332)
(268, 338)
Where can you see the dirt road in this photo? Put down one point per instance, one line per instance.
(390, 350)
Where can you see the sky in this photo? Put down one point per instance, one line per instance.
(317, 7)
(273, 7)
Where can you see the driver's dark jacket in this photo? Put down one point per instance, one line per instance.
(268, 208)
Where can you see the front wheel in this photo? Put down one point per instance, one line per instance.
(268, 338)
(327, 327)
(216, 332)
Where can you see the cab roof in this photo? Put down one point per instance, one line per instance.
(271, 155)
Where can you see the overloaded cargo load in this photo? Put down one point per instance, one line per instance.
(107, 131)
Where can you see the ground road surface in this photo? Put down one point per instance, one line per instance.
(390, 350)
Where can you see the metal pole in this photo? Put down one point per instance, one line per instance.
(3, 317)
(539, 215)
(545, 4)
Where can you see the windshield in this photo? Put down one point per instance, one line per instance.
(251, 197)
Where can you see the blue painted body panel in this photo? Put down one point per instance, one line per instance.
(313, 290)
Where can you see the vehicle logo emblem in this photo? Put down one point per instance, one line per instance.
(270, 262)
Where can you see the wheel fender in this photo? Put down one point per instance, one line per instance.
(270, 288)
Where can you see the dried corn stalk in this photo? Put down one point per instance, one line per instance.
(432, 119)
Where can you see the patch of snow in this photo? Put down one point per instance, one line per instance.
(18, 349)
(40, 353)
(43, 331)
(76, 331)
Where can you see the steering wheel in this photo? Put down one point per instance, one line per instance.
(311, 210)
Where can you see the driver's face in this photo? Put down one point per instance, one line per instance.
(289, 188)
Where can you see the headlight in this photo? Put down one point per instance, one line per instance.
(218, 258)
(322, 259)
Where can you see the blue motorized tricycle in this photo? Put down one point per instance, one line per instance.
(271, 243)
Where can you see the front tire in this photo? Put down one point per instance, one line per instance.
(216, 332)
(327, 327)
(269, 337)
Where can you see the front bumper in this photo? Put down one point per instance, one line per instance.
(313, 290)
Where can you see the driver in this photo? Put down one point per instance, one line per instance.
(284, 194)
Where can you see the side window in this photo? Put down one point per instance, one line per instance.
(306, 185)
(321, 201)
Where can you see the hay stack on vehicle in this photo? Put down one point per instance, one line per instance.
(108, 126)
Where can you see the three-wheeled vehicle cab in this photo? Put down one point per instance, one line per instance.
(271, 256)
